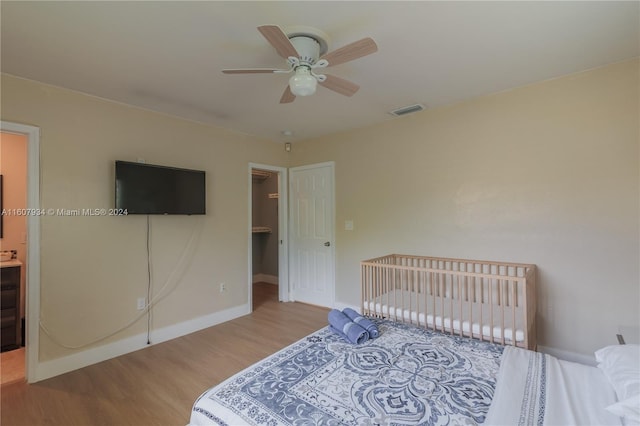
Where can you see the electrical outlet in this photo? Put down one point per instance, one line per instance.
(141, 303)
(223, 288)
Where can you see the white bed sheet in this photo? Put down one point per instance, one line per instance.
(410, 306)
(565, 393)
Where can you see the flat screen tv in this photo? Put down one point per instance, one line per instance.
(151, 189)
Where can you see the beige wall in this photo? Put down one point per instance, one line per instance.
(545, 174)
(94, 268)
(13, 167)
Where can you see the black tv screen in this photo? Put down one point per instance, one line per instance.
(151, 189)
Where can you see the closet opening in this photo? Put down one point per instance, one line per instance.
(268, 262)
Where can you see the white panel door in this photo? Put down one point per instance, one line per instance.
(312, 217)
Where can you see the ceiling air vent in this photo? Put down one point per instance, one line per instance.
(407, 110)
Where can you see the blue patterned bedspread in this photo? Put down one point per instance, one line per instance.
(407, 376)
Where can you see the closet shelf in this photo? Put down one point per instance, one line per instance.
(261, 230)
(260, 174)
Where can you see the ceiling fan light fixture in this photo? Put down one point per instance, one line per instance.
(302, 83)
(305, 50)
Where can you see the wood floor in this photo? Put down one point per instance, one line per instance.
(158, 385)
(12, 366)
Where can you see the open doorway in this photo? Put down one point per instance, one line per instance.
(31, 271)
(268, 262)
(13, 247)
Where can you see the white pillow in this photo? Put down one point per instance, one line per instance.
(621, 365)
(629, 409)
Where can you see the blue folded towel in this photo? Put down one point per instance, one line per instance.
(367, 324)
(339, 333)
(348, 329)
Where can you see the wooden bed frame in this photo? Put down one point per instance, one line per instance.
(486, 300)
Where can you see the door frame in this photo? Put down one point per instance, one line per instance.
(32, 299)
(332, 232)
(283, 231)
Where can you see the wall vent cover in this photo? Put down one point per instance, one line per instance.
(407, 110)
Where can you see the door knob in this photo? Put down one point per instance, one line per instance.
(327, 244)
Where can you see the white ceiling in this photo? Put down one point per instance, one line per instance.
(168, 56)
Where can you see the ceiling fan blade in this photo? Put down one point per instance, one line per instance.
(287, 96)
(351, 51)
(340, 85)
(279, 40)
(252, 71)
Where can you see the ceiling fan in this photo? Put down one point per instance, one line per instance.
(306, 52)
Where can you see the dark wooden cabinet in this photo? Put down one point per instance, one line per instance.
(10, 307)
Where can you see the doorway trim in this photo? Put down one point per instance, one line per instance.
(32, 301)
(283, 231)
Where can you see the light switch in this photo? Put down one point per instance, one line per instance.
(348, 225)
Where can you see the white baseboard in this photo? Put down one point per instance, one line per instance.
(196, 324)
(91, 356)
(264, 278)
